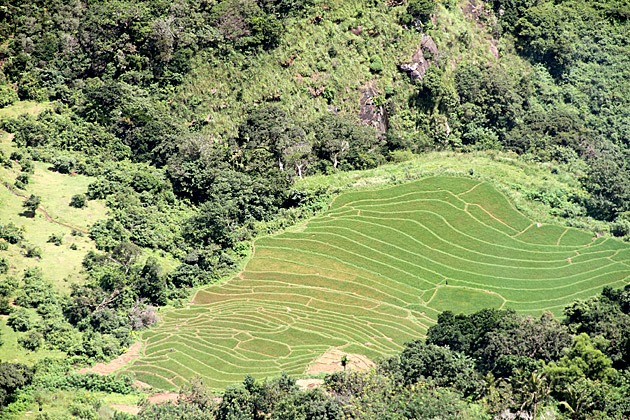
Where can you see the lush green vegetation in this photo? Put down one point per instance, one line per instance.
(145, 145)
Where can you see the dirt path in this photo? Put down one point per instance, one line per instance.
(117, 363)
(42, 210)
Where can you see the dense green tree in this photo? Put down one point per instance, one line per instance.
(12, 377)
(31, 205)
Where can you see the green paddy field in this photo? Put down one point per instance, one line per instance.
(372, 273)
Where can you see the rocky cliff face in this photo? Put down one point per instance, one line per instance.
(421, 59)
(372, 112)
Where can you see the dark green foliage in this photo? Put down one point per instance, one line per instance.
(418, 13)
(376, 64)
(36, 290)
(379, 395)
(119, 384)
(7, 96)
(11, 233)
(183, 411)
(22, 180)
(490, 106)
(78, 201)
(12, 377)
(440, 365)
(501, 340)
(268, 135)
(608, 181)
(311, 404)
(345, 145)
(32, 340)
(31, 205)
(22, 319)
(56, 239)
(606, 316)
(4, 265)
(64, 165)
(151, 284)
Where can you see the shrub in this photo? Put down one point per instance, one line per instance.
(5, 306)
(33, 251)
(4, 265)
(4, 160)
(22, 319)
(64, 164)
(7, 96)
(31, 341)
(22, 179)
(16, 155)
(55, 238)
(11, 233)
(376, 64)
(4, 245)
(27, 166)
(32, 204)
(78, 201)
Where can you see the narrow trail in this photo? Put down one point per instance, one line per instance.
(43, 211)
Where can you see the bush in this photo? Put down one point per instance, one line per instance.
(55, 238)
(33, 251)
(4, 265)
(376, 64)
(27, 166)
(78, 201)
(5, 306)
(620, 228)
(31, 341)
(16, 155)
(22, 319)
(32, 204)
(11, 233)
(4, 245)
(22, 179)
(7, 96)
(64, 164)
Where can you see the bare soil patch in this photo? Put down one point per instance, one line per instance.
(117, 363)
(330, 362)
(305, 384)
(164, 397)
(131, 409)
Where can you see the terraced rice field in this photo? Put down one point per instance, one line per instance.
(372, 273)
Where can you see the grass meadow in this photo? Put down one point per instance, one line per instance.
(372, 273)
(60, 263)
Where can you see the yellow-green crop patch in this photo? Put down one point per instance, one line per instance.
(372, 273)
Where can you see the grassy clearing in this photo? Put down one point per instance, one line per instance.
(375, 270)
(11, 351)
(60, 264)
(22, 107)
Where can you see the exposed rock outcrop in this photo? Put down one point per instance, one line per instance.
(372, 112)
(420, 60)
